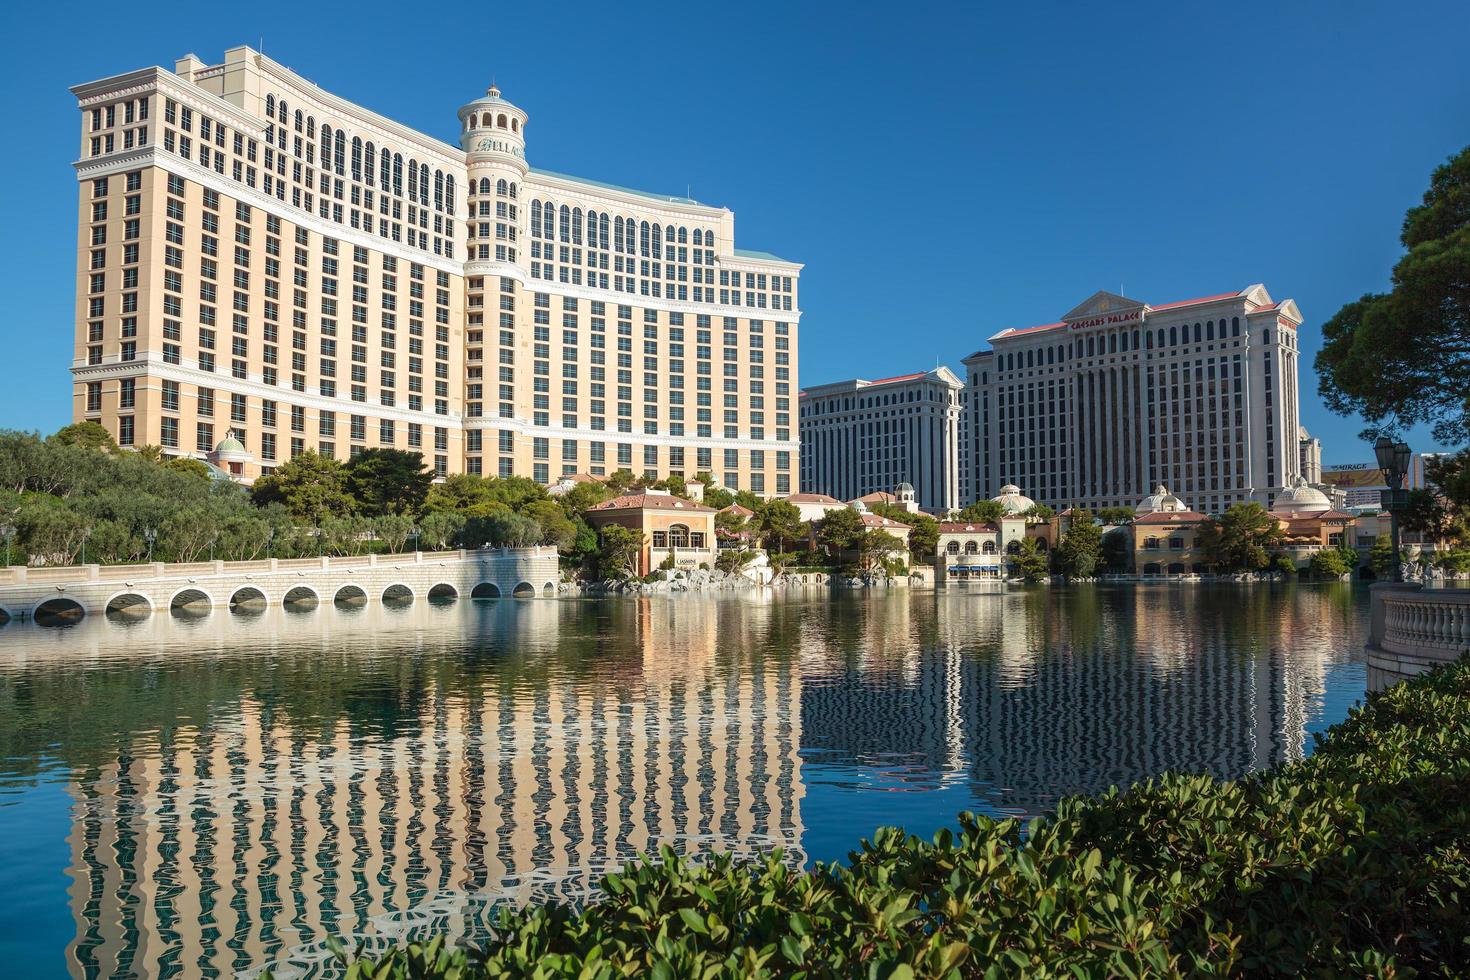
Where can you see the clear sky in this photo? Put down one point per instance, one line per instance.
(944, 170)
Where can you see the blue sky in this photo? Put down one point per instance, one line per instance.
(944, 171)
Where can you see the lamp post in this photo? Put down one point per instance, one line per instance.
(413, 532)
(1393, 459)
(7, 532)
(86, 533)
(150, 536)
(270, 534)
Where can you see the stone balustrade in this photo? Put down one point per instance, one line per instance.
(1413, 629)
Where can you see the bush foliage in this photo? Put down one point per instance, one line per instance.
(1353, 862)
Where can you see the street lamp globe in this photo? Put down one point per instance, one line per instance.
(1383, 450)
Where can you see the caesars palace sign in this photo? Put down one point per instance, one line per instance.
(1126, 318)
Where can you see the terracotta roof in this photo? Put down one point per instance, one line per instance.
(644, 500)
(1194, 302)
(1171, 517)
(877, 520)
(878, 497)
(896, 378)
(737, 509)
(962, 527)
(1023, 331)
(812, 498)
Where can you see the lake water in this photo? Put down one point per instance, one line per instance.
(214, 795)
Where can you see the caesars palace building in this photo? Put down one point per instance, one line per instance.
(257, 256)
(1119, 396)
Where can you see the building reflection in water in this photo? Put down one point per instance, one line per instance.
(246, 787)
(420, 799)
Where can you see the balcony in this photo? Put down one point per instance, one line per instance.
(1413, 629)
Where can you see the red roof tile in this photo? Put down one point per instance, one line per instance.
(650, 501)
(1174, 517)
(1193, 302)
(963, 527)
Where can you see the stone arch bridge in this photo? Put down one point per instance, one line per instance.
(55, 596)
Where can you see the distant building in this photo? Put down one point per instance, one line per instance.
(859, 437)
(671, 526)
(1119, 395)
(1310, 451)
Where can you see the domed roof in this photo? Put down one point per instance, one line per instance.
(1161, 501)
(904, 488)
(231, 445)
(1013, 500)
(1301, 498)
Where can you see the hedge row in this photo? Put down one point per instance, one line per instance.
(1353, 862)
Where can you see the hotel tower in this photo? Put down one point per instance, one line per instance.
(260, 257)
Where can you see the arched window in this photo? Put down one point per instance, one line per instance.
(299, 117)
(439, 190)
(270, 106)
(385, 169)
(515, 125)
(500, 121)
(368, 156)
(535, 218)
(474, 121)
(988, 548)
(1235, 326)
(311, 127)
(678, 536)
(339, 153)
(952, 548)
(1210, 330)
(971, 548)
(413, 180)
(282, 111)
(1173, 336)
(397, 174)
(658, 247)
(565, 223)
(326, 147)
(618, 234)
(1014, 548)
(602, 230)
(576, 226)
(514, 194)
(643, 238)
(357, 158)
(449, 193)
(500, 186)
(423, 183)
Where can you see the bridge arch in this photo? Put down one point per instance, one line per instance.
(58, 610)
(350, 595)
(486, 590)
(130, 605)
(248, 599)
(301, 598)
(5, 616)
(398, 594)
(524, 590)
(549, 590)
(191, 602)
(443, 594)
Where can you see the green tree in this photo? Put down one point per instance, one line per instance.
(1080, 550)
(620, 482)
(1241, 539)
(502, 529)
(1117, 549)
(923, 535)
(618, 556)
(393, 530)
(438, 529)
(780, 523)
(556, 528)
(86, 435)
(1403, 357)
(875, 545)
(189, 466)
(1382, 558)
(982, 512)
(1029, 561)
(1330, 563)
(1039, 512)
(840, 530)
(733, 559)
(311, 487)
(1115, 516)
(389, 481)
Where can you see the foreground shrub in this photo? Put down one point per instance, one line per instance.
(1353, 862)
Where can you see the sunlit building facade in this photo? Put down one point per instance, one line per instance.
(258, 256)
(1119, 395)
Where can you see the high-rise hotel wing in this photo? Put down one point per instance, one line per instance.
(1118, 396)
(259, 256)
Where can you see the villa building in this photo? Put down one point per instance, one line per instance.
(671, 528)
(259, 255)
(1119, 395)
(859, 437)
(1165, 536)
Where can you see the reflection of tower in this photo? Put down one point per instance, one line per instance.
(255, 837)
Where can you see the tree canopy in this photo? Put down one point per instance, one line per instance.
(389, 481)
(1239, 540)
(1403, 357)
(1080, 550)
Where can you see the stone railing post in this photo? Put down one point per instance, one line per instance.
(94, 572)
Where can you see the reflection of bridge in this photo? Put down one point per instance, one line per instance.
(52, 595)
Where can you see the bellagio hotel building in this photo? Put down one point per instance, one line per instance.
(259, 256)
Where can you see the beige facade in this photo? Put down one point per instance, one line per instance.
(672, 528)
(257, 255)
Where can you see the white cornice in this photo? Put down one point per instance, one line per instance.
(523, 427)
(674, 210)
(652, 302)
(175, 88)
